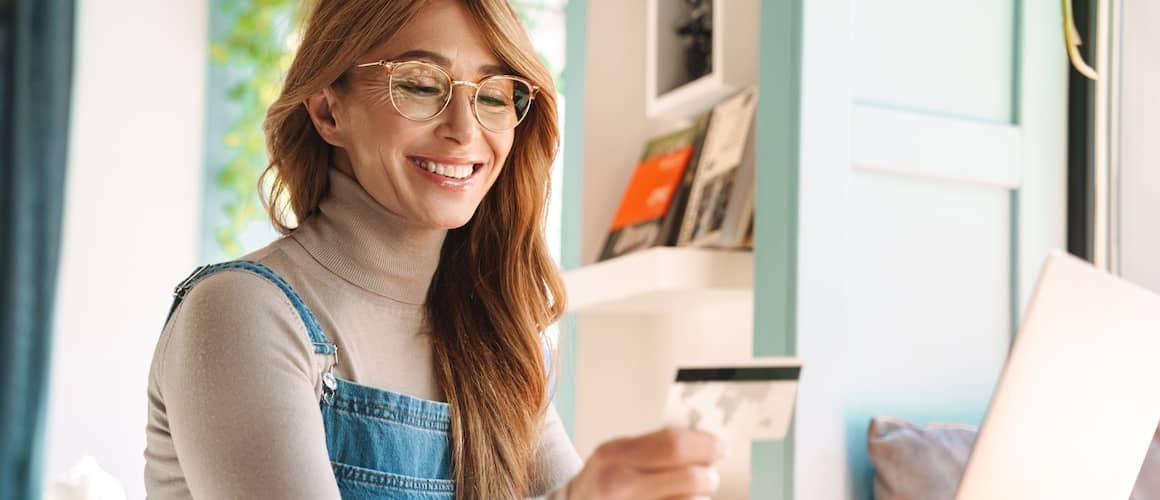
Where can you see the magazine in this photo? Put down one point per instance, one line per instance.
(720, 205)
(651, 207)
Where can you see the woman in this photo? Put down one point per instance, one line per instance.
(389, 346)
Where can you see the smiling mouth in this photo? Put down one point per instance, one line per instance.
(448, 170)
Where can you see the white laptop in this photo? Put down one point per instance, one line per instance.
(1079, 399)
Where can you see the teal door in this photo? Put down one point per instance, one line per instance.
(911, 181)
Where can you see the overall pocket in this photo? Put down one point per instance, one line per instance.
(384, 444)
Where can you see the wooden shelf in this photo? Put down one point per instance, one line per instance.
(661, 280)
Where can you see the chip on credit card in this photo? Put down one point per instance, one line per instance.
(749, 401)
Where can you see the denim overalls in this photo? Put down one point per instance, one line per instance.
(381, 444)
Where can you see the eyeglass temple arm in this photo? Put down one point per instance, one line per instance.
(380, 62)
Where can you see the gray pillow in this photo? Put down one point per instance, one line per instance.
(913, 463)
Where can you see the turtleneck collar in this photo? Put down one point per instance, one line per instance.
(353, 236)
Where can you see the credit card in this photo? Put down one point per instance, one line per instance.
(751, 401)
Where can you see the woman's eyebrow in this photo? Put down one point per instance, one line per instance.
(440, 59)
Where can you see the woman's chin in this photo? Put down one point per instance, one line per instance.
(451, 221)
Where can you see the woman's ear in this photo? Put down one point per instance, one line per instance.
(321, 107)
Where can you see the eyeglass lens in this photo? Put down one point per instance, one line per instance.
(420, 91)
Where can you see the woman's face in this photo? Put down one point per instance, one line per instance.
(392, 156)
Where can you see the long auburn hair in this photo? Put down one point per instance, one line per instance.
(496, 287)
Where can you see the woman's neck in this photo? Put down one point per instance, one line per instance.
(357, 239)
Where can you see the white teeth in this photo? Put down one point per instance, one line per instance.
(452, 171)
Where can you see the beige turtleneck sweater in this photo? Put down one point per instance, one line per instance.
(234, 384)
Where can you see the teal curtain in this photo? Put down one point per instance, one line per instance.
(36, 45)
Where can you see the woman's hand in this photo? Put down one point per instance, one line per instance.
(671, 463)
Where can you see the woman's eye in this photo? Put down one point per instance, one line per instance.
(418, 89)
(492, 101)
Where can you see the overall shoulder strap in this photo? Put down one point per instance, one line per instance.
(321, 344)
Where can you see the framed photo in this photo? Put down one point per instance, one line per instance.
(684, 42)
(697, 53)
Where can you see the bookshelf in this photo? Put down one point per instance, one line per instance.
(661, 280)
(634, 318)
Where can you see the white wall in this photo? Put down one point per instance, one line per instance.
(1139, 183)
(626, 362)
(615, 125)
(131, 221)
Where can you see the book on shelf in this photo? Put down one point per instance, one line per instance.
(720, 207)
(651, 208)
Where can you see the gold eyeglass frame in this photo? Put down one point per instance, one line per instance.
(475, 86)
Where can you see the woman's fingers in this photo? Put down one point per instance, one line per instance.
(664, 449)
(668, 464)
(680, 483)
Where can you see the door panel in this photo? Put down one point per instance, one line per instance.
(934, 161)
(942, 57)
(929, 287)
(933, 146)
(931, 180)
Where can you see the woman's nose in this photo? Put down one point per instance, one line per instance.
(459, 122)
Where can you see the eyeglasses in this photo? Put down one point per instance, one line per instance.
(421, 90)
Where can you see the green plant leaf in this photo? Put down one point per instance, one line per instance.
(254, 50)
